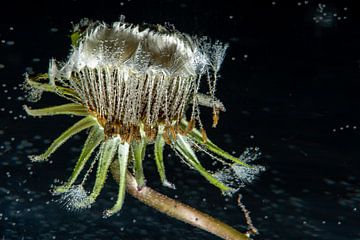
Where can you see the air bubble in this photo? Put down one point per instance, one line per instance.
(10, 43)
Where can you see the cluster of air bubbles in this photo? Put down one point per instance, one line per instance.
(74, 199)
(54, 29)
(250, 154)
(326, 16)
(9, 94)
(237, 176)
(32, 94)
(243, 57)
(6, 42)
(345, 127)
(301, 3)
(247, 174)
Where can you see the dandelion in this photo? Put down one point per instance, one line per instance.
(133, 86)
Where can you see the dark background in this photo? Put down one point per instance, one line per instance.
(290, 82)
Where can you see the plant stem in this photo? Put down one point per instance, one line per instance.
(178, 210)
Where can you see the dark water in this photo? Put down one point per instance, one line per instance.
(290, 82)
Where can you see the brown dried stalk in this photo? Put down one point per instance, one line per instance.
(178, 210)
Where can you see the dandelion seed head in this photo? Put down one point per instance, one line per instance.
(136, 85)
(131, 75)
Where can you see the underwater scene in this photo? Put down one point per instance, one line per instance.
(185, 120)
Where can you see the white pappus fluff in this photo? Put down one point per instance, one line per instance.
(74, 199)
(237, 176)
(130, 74)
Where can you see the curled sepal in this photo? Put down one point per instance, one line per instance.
(65, 109)
(96, 135)
(139, 153)
(159, 160)
(107, 152)
(76, 128)
(37, 83)
(185, 150)
(196, 136)
(123, 156)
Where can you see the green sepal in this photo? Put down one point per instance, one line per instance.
(68, 93)
(75, 36)
(107, 152)
(183, 147)
(83, 124)
(65, 109)
(95, 137)
(123, 156)
(196, 136)
(159, 160)
(139, 149)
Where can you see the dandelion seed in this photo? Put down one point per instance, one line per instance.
(74, 199)
(237, 175)
(246, 174)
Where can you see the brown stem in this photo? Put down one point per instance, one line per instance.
(178, 210)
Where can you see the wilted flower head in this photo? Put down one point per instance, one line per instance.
(134, 85)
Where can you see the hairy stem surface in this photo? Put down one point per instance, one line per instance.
(176, 209)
